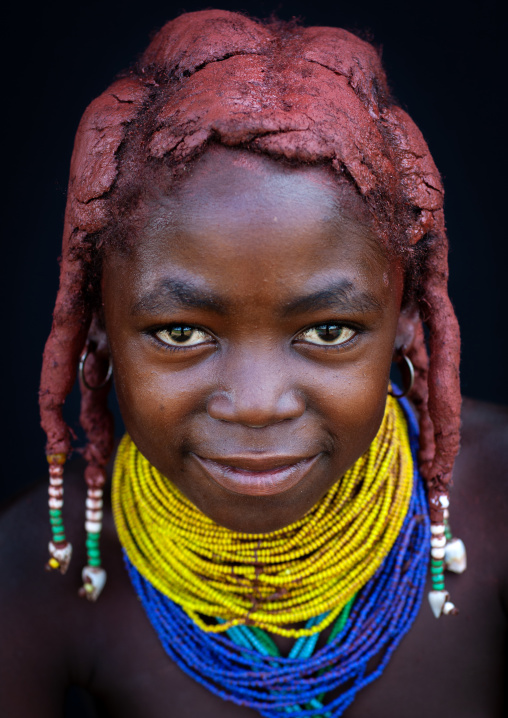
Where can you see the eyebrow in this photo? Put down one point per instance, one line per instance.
(169, 293)
(341, 295)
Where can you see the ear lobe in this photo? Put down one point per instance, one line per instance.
(409, 320)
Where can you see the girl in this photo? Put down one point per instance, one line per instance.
(254, 232)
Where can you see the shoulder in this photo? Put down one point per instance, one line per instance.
(479, 493)
(25, 533)
(39, 610)
(485, 428)
(54, 637)
(481, 466)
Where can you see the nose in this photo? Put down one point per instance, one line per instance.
(257, 393)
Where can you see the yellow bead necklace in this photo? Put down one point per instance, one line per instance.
(313, 566)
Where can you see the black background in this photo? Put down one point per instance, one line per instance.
(445, 64)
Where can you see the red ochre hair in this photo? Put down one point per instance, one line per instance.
(305, 95)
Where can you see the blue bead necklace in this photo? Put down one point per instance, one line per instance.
(244, 665)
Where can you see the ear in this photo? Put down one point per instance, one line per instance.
(98, 338)
(409, 320)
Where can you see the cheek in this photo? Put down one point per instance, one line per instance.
(355, 411)
(155, 405)
(352, 401)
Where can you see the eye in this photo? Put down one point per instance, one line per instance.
(327, 334)
(181, 335)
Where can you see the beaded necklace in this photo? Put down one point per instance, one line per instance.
(312, 567)
(240, 662)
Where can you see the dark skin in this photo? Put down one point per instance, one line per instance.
(289, 304)
(251, 380)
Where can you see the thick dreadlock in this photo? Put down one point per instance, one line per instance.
(310, 95)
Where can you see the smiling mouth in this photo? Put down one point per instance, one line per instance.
(259, 475)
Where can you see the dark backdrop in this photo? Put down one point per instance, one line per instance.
(444, 63)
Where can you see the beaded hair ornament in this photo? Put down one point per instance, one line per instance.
(311, 95)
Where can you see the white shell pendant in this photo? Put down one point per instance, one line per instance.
(440, 603)
(455, 556)
(60, 556)
(94, 579)
(437, 600)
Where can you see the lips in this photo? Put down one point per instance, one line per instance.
(257, 475)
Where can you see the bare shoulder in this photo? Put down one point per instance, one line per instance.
(37, 619)
(25, 532)
(482, 462)
(24, 537)
(485, 428)
(479, 495)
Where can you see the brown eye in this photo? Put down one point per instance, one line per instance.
(182, 335)
(327, 334)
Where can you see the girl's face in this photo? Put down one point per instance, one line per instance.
(252, 327)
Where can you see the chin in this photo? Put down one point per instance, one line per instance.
(257, 514)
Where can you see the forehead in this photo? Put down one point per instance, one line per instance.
(245, 220)
(235, 182)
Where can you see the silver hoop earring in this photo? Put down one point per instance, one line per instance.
(81, 369)
(408, 374)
